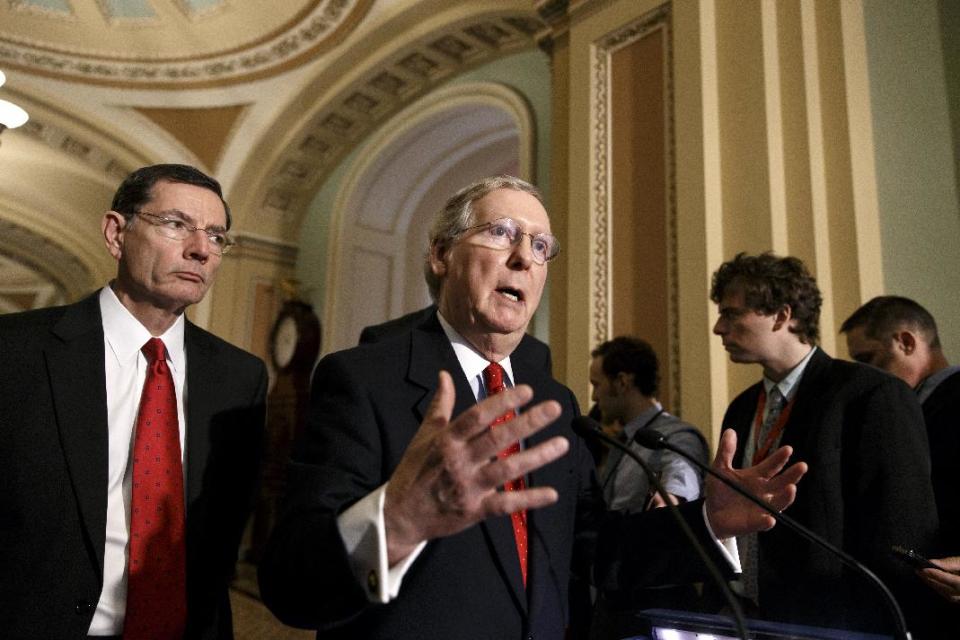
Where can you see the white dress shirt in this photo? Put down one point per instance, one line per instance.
(126, 369)
(788, 389)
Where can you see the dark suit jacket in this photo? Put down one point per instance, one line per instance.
(941, 413)
(530, 349)
(53, 470)
(868, 488)
(367, 404)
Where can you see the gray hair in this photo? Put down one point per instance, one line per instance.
(457, 215)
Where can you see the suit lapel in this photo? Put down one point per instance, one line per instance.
(741, 418)
(430, 351)
(545, 526)
(804, 416)
(201, 367)
(78, 387)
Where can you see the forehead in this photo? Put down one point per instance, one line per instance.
(597, 376)
(510, 203)
(733, 298)
(858, 340)
(200, 205)
(596, 364)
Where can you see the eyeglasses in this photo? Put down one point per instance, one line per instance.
(219, 242)
(505, 233)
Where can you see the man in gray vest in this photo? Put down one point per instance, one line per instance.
(624, 373)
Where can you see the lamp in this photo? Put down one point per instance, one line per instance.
(11, 116)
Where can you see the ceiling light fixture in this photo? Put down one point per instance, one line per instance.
(11, 115)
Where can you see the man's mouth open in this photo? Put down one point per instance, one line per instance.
(514, 295)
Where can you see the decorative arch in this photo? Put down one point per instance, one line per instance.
(398, 180)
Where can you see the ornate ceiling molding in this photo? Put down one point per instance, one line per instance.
(251, 245)
(384, 90)
(68, 143)
(78, 140)
(52, 263)
(322, 25)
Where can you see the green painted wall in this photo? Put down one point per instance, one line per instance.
(915, 142)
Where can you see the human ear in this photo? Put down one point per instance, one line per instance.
(113, 225)
(906, 342)
(782, 317)
(438, 252)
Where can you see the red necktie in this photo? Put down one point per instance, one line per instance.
(493, 379)
(156, 588)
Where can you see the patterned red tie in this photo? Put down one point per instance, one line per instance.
(156, 589)
(493, 379)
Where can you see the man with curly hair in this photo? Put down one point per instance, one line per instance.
(859, 430)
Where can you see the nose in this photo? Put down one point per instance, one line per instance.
(196, 246)
(521, 256)
(719, 327)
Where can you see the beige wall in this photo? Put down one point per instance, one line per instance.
(770, 146)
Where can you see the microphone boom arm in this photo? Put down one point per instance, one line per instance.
(585, 427)
(652, 440)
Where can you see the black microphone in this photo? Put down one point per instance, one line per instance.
(586, 428)
(652, 440)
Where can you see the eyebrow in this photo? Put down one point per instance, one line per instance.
(189, 219)
(731, 311)
(521, 226)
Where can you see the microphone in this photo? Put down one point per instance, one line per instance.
(588, 428)
(651, 440)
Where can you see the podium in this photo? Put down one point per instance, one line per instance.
(666, 624)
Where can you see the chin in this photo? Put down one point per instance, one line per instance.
(183, 299)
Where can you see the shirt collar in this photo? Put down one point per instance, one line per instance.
(469, 358)
(788, 386)
(926, 388)
(125, 336)
(641, 420)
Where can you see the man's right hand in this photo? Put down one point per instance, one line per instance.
(946, 579)
(448, 476)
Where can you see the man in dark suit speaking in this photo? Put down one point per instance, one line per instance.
(130, 437)
(405, 522)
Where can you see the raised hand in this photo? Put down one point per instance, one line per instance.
(730, 514)
(448, 476)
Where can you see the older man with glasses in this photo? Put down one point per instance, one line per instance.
(130, 438)
(403, 521)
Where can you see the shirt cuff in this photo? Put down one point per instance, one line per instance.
(364, 535)
(727, 546)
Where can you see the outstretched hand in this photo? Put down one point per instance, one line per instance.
(448, 476)
(946, 579)
(732, 515)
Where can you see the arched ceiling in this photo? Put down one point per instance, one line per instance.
(267, 96)
(170, 43)
(405, 58)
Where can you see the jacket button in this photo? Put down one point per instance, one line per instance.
(83, 608)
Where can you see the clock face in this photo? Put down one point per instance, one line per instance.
(285, 342)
